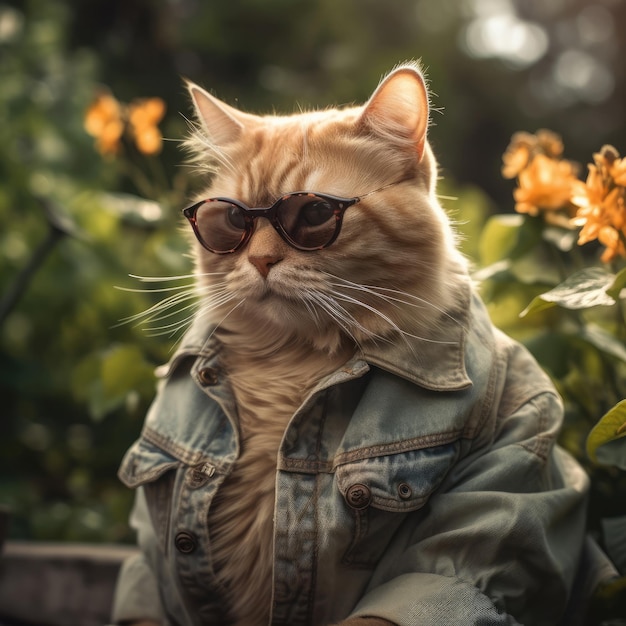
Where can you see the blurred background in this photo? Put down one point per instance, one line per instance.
(74, 224)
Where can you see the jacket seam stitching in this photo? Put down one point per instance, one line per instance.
(328, 467)
(486, 403)
(181, 454)
(416, 443)
(543, 441)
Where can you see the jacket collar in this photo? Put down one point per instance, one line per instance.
(435, 362)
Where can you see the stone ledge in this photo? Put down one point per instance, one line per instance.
(58, 584)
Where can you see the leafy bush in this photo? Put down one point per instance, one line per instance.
(74, 386)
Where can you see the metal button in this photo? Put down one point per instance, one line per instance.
(358, 496)
(405, 491)
(208, 376)
(198, 475)
(185, 542)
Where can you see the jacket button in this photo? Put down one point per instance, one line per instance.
(405, 491)
(358, 496)
(198, 475)
(208, 376)
(185, 542)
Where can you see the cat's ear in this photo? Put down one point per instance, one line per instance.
(223, 123)
(398, 109)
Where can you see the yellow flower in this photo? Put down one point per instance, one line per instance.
(545, 185)
(144, 117)
(103, 120)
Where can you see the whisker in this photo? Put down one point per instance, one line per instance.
(389, 321)
(182, 303)
(156, 279)
(310, 307)
(380, 292)
(351, 300)
(159, 290)
(172, 305)
(162, 305)
(166, 303)
(158, 318)
(179, 325)
(422, 301)
(341, 316)
(203, 312)
(161, 279)
(201, 309)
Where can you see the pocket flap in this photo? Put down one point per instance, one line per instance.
(144, 463)
(397, 482)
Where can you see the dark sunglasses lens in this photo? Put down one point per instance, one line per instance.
(308, 220)
(221, 225)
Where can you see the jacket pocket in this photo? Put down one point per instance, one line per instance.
(379, 492)
(147, 466)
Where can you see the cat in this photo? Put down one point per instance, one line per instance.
(299, 315)
(340, 394)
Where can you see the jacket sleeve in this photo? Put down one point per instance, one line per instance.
(499, 543)
(136, 593)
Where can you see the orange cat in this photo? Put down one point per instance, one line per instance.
(342, 435)
(302, 315)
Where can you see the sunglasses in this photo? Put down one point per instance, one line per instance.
(306, 221)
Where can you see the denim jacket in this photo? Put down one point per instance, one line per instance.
(419, 483)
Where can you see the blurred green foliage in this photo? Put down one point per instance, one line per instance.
(75, 385)
(74, 388)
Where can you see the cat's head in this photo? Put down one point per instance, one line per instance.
(393, 266)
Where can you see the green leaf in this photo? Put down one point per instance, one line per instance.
(564, 239)
(508, 237)
(108, 380)
(603, 341)
(533, 269)
(582, 290)
(606, 442)
(497, 270)
(133, 209)
(618, 284)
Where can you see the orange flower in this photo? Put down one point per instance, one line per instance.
(516, 158)
(591, 193)
(524, 147)
(545, 185)
(103, 120)
(108, 120)
(549, 143)
(618, 171)
(144, 117)
(601, 202)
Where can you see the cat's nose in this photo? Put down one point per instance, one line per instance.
(264, 263)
